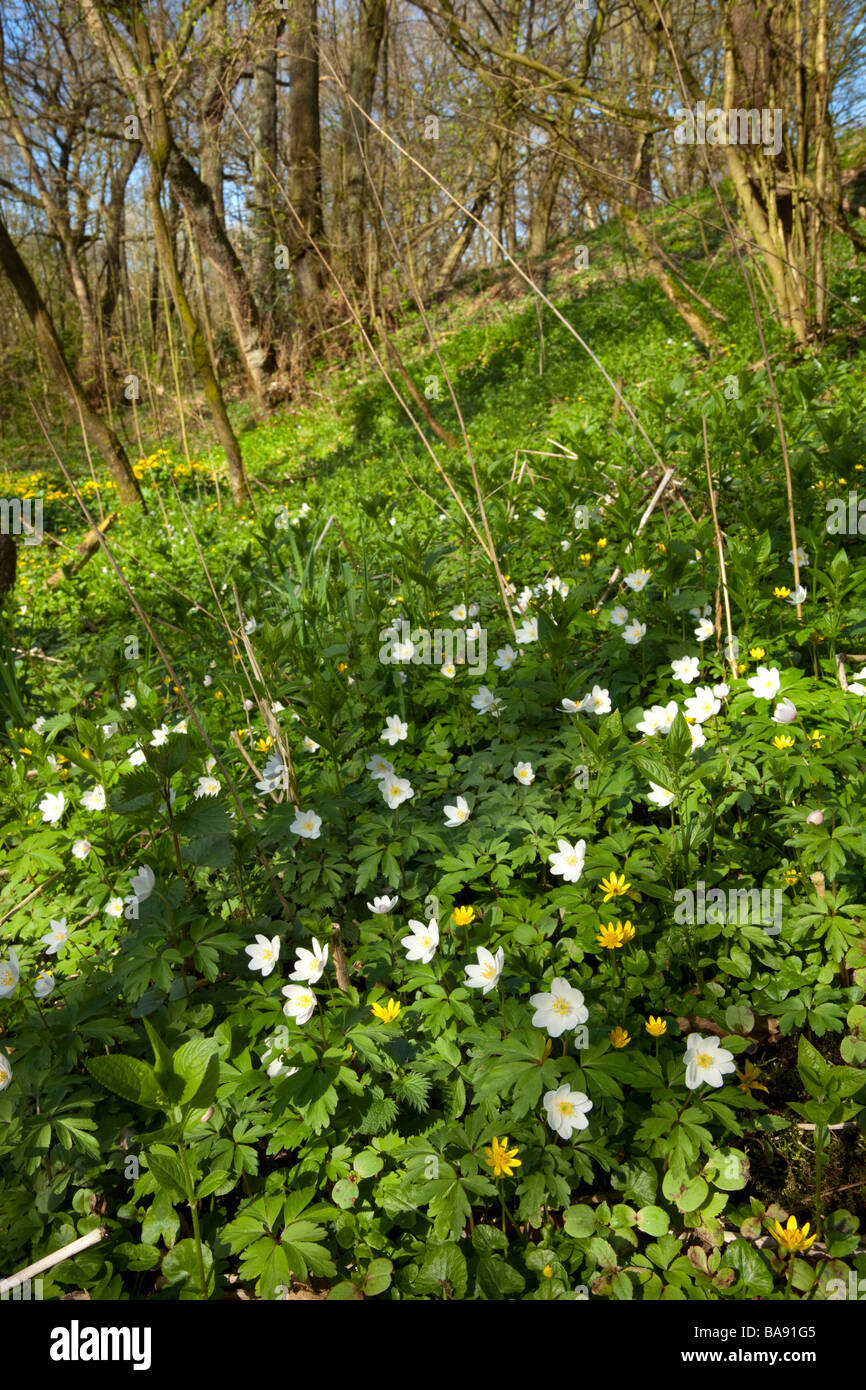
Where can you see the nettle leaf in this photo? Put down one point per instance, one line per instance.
(209, 852)
(128, 1077)
(137, 791)
(204, 817)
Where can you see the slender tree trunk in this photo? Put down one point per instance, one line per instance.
(112, 260)
(265, 217)
(307, 229)
(95, 428)
(361, 86)
(141, 77)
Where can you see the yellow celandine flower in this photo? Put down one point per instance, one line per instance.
(756, 653)
(462, 916)
(263, 744)
(656, 1027)
(585, 557)
(791, 1237)
(613, 936)
(750, 1079)
(502, 1159)
(742, 667)
(816, 739)
(619, 1037)
(601, 542)
(592, 612)
(614, 887)
(662, 548)
(783, 741)
(790, 876)
(342, 666)
(781, 592)
(548, 1271)
(387, 1012)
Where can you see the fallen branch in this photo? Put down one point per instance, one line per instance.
(668, 474)
(66, 1252)
(86, 549)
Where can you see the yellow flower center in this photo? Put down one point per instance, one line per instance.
(705, 1060)
(566, 1108)
(561, 1006)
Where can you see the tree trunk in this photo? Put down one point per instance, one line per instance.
(94, 426)
(361, 87)
(268, 287)
(307, 229)
(142, 80)
(112, 260)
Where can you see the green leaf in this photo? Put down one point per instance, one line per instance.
(367, 1162)
(204, 817)
(345, 1193)
(728, 1169)
(497, 1279)
(679, 739)
(487, 1239)
(378, 1277)
(137, 1257)
(751, 1266)
(192, 1062)
(138, 791)
(443, 1272)
(654, 1220)
(580, 1222)
(814, 1071)
(166, 1168)
(344, 1293)
(209, 852)
(180, 1267)
(128, 1077)
(213, 1182)
(688, 1193)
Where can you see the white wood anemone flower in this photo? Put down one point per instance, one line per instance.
(706, 1062)
(561, 1008)
(485, 975)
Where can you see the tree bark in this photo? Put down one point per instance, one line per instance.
(361, 88)
(307, 228)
